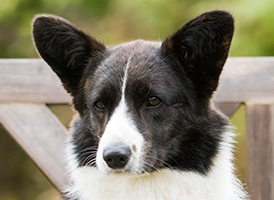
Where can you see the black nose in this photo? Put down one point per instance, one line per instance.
(117, 158)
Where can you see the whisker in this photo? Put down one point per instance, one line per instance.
(90, 148)
(86, 155)
(91, 156)
(92, 162)
(90, 152)
(158, 159)
(146, 163)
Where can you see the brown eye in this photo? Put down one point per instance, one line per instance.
(100, 105)
(153, 101)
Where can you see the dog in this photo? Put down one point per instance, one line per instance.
(145, 127)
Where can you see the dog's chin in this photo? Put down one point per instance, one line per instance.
(127, 170)
(121, 171)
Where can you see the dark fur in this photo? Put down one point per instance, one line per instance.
(184, 131)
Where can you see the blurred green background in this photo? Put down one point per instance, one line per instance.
(116, 21)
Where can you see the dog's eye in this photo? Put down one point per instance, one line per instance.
(153, 101)
(100, 105)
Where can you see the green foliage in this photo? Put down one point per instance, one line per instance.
(117, 21)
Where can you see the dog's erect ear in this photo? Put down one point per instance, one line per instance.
(201, 46)
(65, 48)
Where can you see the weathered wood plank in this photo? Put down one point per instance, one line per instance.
(40, 134)
(247, 79)
(29, 80)
(260, 151)
(227, 108)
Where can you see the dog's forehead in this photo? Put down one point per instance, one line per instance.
(137, 64)
(135, 53)
(136, 47)
(133, 58)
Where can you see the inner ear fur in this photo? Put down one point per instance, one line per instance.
(201, 46)
(65, 48)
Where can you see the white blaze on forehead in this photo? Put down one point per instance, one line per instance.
(125, 80)
(121, 130)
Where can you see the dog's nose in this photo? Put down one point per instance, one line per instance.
(117, 158)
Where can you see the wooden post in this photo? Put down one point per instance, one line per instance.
(41, 135)
(227, 108)
(260, 151)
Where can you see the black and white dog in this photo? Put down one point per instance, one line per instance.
(145, 128)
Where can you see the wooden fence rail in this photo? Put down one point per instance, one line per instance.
(26, 85)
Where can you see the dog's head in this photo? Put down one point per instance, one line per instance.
(143, 105)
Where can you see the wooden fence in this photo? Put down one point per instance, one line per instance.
(26, 85)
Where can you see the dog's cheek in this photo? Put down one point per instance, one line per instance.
(98, 123)
(160, 135)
